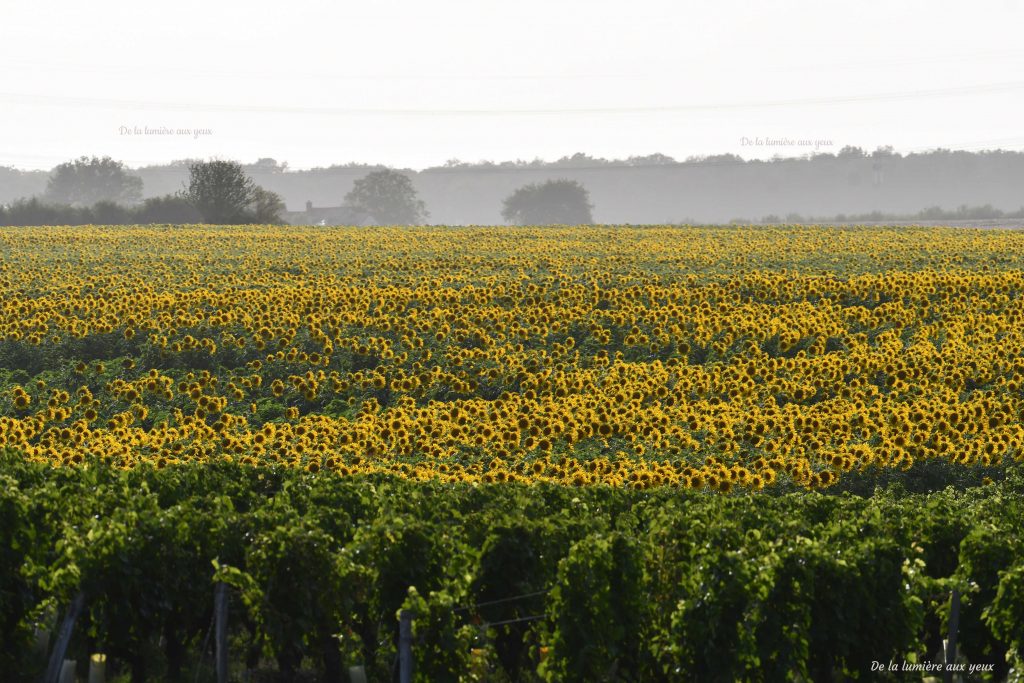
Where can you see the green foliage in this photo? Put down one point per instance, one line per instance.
(990, 550)
(17, 537)
(515, 560)
(442, 644)
(598, 611)
(300, 595)
(630, 585)
(1005, 616)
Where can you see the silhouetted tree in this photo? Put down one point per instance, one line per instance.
(656, 159)
(85, 181)
(266, 208)
(851, 152)
(716, 160)
(266, 165)
(885, 152)
(579, 160)
(221, 191)
(169, 208)
(388, 198)
(110, 213)
(36, 212)
(554, 201)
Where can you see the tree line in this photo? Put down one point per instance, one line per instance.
(102, 191)
(963, 212)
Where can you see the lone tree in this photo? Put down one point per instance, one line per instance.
(266, 208)
(388, 198)
(220, 190)
(223, 193)
(564, 202)
(85, 181)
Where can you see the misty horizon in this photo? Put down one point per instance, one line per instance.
(821, 148)
(667, 112)
(654, 189)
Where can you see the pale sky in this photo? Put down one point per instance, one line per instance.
(413, 84)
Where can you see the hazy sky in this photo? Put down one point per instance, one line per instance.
(413, 84)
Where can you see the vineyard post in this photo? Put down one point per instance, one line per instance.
(98, 668)
(954, 624)
(42, 642)
(67, 671)
(60, 648)
(220, 609)
(405, 646)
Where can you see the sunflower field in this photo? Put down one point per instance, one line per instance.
(703, 358)
(629, 365)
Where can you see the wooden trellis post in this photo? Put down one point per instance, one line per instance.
(405, 646)
(220, 609)
(55, 666)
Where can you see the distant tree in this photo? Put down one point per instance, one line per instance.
(723, 160)
(34, 211)
(85, 181)
(579, 160)
(221, 191)
(168, 209)
(267, 165)
(885, 152)
(111, 213)
(851, 152)
(714, 159)
(15, 183)
(266, 208)
(388, 198)
(554, 201)
(656, 159)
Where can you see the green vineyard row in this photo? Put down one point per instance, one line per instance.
(506, 582)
